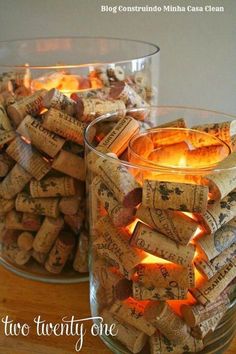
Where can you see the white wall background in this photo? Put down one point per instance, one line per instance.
(198, 50)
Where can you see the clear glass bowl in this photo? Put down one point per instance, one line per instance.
(139, 231)
(85, 77)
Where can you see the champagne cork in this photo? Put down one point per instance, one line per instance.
(118, 179)
(69, 205)
(6, 205)
(6, 132)
(14, 182)
(47, 234)
(14, 221)
(75, 222)
(161, 316)
(32, 105)
(39, 257)
(31, 221)
(43, 139)
(70, 164)
(25, 241)
(119, 215)
(114, 246)
(60, 253)
(223, 130)
(203, 328)
(132, 313)
(197, 313)
(211, 289)
(64, 125)
(87, 109)
(56, 99)
(81, 257)
(6, 163)
(174, 195)
(166, 275)
(16, 255)
(210, 268)
(172, 292)
(223, 182)
(176, 225)
(214, 244)
(177, 123)
(159, 344)
(53, 187)
(39, 206)
(31, 160)
(159, 245)
(132, 338)
(117, 139)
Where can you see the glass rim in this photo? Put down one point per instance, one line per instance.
(156, 49)
(153, 167)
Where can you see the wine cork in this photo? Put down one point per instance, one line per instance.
(169, 155)
(80, 263)
(15, 254)
(14, 182)
(69, 205)
(197, 313)
(70, 164)
(211, 289)
(132, 313)
(132, 338)
(39, 206)
(43, 139)
(75, 222)
(165, 275)
(39, 257)
(64, 125)
(25, 241)
(130, 97)
(31, 160)
(172, 292)
(118, 179)
(47, 234)
(119, 215)
(6, 132)
(220, 212)
(177, 123)
(142, 146)
(209, 325)
(175, 195)
(6, 205)
(32, 105)
(166, 136)
(176, 225)
(7, 98)
(206, 156)
(114, 246)
(161, 316)
(14, 221)
(159, 245)
(31, 221)
(53, 187)
(6, 85)
(223, 182)
(117, 139)
(87, 109)
(159, 344)
(6, 163)
(223, 130)
(56, 99)
(60, 253)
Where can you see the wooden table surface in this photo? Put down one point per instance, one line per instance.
(23, 300)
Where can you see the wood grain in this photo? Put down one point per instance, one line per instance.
(22, 300)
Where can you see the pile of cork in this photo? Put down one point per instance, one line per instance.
(148, 249)
(42, 169)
